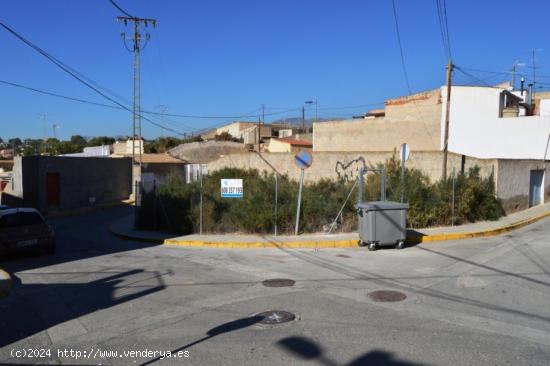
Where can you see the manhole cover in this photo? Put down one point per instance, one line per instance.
(276, 317)
(386, 296)
(279, 282)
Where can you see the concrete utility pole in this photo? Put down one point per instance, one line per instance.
(55, 126)
(516, 64)
(162, 108)
(258, 128)
(44, 117)
(447, 112)
(303, 119)
(136, 49)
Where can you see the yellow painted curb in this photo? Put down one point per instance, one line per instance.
(248, 245)
(353, 243)
(475, 234)
(5, 289)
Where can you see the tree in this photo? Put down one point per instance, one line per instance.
(78, 140)
(16, 141)
(101, 140)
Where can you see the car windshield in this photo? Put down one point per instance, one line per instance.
(20, 219)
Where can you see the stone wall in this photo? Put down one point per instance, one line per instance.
(332, 165)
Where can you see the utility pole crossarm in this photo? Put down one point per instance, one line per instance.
(136, 19)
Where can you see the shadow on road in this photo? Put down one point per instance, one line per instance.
(307, 350)
(220, 329)
(62, 302)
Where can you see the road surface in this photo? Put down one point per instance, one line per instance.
(100, 298)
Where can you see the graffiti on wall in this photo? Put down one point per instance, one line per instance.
(347, 171)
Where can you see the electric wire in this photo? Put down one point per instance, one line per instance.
(120, 9)
(404, 68)
(81, 80)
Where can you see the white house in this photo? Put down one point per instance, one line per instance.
(498, 123)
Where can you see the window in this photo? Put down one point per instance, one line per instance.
(21, 219)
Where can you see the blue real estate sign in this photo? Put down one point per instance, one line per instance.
(232, 188)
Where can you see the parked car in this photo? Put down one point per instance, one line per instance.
(25, 229)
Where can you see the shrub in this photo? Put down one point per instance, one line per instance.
(175, 207)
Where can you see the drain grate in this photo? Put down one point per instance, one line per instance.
(278, 282)
(276, 317)
(343, 256)
(386, 296)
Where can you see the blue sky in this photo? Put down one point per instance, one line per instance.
(227, 58)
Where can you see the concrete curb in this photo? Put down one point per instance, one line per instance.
(134, 237)
(475, 234)
(245, 245)
(413, 239)
(6, 283)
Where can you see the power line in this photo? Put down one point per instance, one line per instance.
(60, 65)
(404, 68)
(120, 9)
(444, 27)
(477, 79)
(405, 74)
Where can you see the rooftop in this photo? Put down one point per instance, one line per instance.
(294, 142)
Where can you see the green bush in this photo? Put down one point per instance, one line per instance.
(175, 207)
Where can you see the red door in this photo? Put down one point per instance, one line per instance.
(52, 189)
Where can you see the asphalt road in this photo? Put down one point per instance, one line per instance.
(474, 302)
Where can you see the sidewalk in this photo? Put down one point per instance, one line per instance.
(124, 228)
(5, 283)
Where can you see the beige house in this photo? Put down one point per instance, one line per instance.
(125, 147)
(288, 145)
(413, 119)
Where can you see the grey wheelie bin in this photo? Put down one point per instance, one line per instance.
(382, 223)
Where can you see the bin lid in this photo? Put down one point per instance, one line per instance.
(382, 205)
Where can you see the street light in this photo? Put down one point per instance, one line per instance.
(310, 102)
(55, 126)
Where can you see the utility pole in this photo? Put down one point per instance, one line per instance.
(44, 116)
(447, 113)
(303, 119)
(534, 76)
(516, 64)
(163, 108)
(136, 49)
(258, 128)
(55, 126)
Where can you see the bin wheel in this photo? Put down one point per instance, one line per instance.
(361, 243)
(372, 247)
(400, 244)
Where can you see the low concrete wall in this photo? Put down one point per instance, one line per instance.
(333, 165)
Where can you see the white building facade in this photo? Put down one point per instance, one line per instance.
(496, 123)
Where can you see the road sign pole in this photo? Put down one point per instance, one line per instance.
(276, 200)
(299, 202)
(402, 175)
(200, 214)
